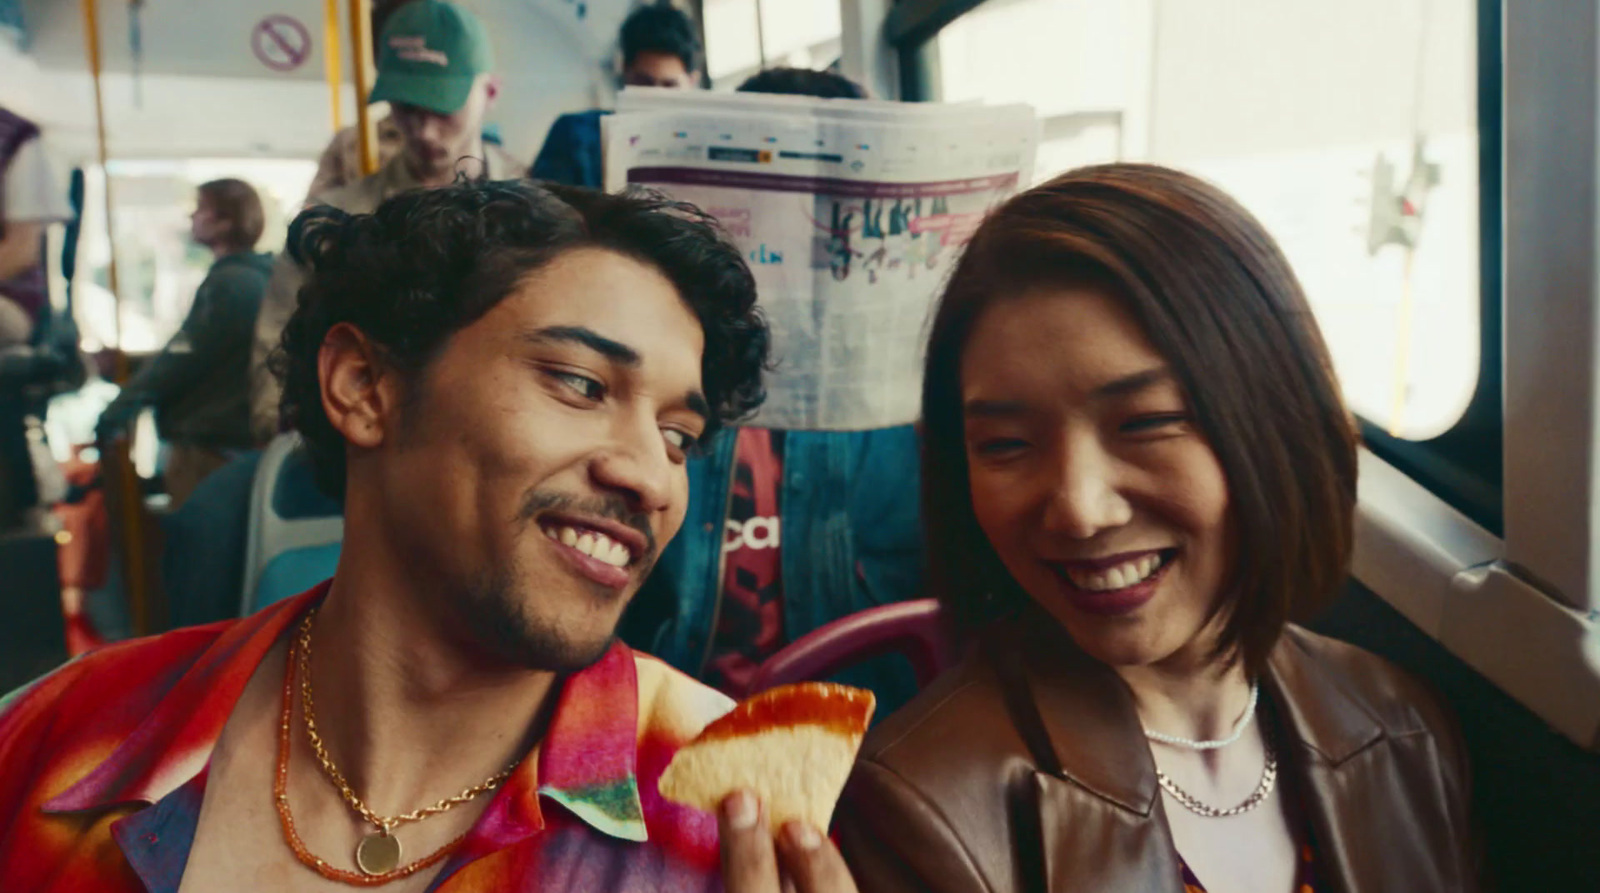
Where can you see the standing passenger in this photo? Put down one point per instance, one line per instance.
(199, 384)
(340, 163)
(1137, 469)
(31, 198)
(435, 69)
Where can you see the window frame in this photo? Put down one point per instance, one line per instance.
(910, 28)
(1463, 466)
(1552, 280)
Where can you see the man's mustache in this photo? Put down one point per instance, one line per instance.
(610, 508)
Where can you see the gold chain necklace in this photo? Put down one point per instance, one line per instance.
(1269, 780)
(378, 853)
(280, 798)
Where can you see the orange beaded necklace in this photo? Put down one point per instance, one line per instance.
(280, 797)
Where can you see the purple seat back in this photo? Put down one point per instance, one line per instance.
(914, 628)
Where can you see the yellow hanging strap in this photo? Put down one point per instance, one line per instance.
(124, 476)
(361, 66)
(333, 68)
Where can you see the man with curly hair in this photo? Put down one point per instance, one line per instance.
(502, 383)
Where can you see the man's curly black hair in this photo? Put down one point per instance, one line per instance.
(428, 263)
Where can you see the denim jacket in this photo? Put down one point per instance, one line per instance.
(571, 151)
(851, 540)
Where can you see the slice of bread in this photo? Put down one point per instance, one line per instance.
(791, 746)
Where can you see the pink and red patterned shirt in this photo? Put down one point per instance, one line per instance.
(103, 768)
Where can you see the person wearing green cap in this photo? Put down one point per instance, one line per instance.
(435, 70)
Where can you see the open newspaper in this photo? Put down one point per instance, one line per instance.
(851, 214)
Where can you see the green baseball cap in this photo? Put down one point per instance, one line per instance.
(429, 55)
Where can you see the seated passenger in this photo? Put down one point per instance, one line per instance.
(1138, 467)
(803, 82)
(788, 531)
(660, 48)
(502, 384)
(199, 384)
(435, 69)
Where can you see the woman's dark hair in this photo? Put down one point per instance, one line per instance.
(1217, 299)
(660, 27)
(429, 262)
(236, 202)
(803, 82)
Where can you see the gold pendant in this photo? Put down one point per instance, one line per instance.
(378, 853)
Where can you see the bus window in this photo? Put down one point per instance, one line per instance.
(1079, 63)
(1358, 150)
(746, 36)
(158, 264)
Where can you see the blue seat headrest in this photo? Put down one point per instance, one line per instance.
(293, 572)
(295, 493)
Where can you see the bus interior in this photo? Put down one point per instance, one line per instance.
(1430, 167)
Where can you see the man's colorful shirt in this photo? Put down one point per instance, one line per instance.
(102, 772)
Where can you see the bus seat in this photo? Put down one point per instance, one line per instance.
(295, 531)
(202, 560)
(294, 571)
(915, 629)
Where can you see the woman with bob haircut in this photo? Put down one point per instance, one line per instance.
(1137, 469)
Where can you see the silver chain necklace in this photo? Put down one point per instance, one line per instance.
(1238, 729)
(1269, 780)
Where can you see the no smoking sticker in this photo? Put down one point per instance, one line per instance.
(281, 42)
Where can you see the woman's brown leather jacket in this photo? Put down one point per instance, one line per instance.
(1025, 769)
